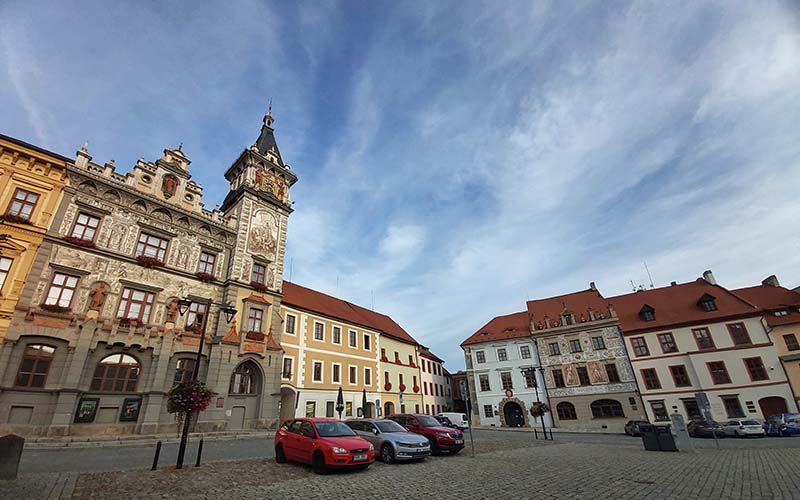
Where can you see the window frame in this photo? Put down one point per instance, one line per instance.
(565, 410)
(636, 347)
(334, 328)
(36, 359)
(143, 243)
(86, 226)
(24, 202)
(145, 305)
(615, 379)
(508, 383)
(558, 378)
(747, 339)
(5, 271)
(314, 364)
(488, 411)
(334, 378)
(663, 343)
(197, 309)
(794, 345)
(554, 349)
(293, 322)
(661, 414)
(290, 359)
(684, 374)
(583, 376)
(61, 289)
(711, 372)
(598, 343)
(709, 338)
(204, 265)
(367, 376)
(650, 379)
(258, 273)
(250, 383)
(119, 368)
(504, 357)
(760, 367)
(484, 377)
(352, 374)
(575, 346)
(480, 357)
(595, 405)
(525, 349)
(321, 330)
(367, 338)
(352, 338)
(733, 398)
(186, 373)
(255, 319)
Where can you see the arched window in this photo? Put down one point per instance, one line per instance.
(244, 379)
(116, 373)
(607, 408)
(388, 409)
(35, 365)
(566, 411)
(184, 370)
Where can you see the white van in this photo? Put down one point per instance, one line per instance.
(458, 419)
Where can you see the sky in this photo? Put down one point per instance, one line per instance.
(455, 158)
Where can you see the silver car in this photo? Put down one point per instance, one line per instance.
(391, 440)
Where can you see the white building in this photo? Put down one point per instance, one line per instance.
(435, 384)
(699, 337)
(503, 373)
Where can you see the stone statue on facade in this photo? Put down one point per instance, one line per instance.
(172, 310)
(97, 298)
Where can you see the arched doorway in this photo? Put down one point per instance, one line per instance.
(370, 410)
(388, 409)
(772, 405)
(514, 414)
(244, 395)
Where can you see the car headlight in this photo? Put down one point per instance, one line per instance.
(336, 449)
(371, 447)
(443, 434)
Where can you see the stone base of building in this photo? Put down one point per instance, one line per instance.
(585, 421)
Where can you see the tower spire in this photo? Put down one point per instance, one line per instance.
(268, 119)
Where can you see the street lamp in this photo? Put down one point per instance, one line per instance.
(532, 371)
(183, 306)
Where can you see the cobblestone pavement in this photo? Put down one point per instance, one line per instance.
(502, 468)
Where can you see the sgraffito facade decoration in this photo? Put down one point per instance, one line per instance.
(98, 316)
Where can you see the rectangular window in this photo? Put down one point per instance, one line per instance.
(135, 304)
(425, 387)
(385, 378)
(290, 321)
(61, 290)
(367, 376)
(311, 409)
(480, 357)
(659, 411)
(732, 406)
(348, 409)
(85, 227)
(286, 373)
(337, 335)
(35, 366)
(755, 367)
(22, 204)
(319, 331)
(206, 264)
(254, 319)
(353, 339)
(502, 355)
(575, 345)
(530, 378)
(410, 360)
(558, 378)
(5, 266)
(367, 342)
(719, 374)
(258, 273)
(525, 352)
(667, 342)
(703, 338)
(583, 375)
(640, 346)
(613, 374)
(352, 375)
(650, 378)
(739, 334)
(197, 315)
(484, 382)
(790, 339)
(151, 247)
(554, 349)
(317, 372)
(505, 378)
(329, 406)
(680, 376)
(487, 411)
(598, 343)
(397, 357)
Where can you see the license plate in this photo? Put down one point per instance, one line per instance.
(358, 458)
(459, 441)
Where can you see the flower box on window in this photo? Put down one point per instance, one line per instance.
(205, 277)
(16, 219)
(129, 322)
(259, 336)
(54, 308)
(387, 386)
(384, 359)
(79, 241)
(260, 287)
(416, 388)
(149, 261)
(412, 364)
(194, 328)
(402, 387)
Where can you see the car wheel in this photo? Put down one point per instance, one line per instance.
(627, 433)
(280, 456)
(434, 448)
(318, 464)
(387, 453)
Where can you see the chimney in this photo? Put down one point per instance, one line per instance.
(709, 277)
(771, 280)
(592, 286)
(673, 283)
(82, 156)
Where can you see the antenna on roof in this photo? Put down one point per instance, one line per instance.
(648, 273)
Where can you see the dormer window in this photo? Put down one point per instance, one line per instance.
(569, 319)
(707, 303)
(647, 313)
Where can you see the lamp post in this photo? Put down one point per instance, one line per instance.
(183, 306)
(525, 373)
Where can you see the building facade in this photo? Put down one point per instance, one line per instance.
(401, 387)
(31, 182)
(99, 334)
(589, 379)
(435, 383)
(459, 390)
(697, 337)
(781, 309)
(503, 373)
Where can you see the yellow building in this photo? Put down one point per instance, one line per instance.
(401, 390)
(31, 182)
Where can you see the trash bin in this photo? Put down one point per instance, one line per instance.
(666, 441)
(649, 437)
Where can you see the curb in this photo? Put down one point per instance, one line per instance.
(140, 441)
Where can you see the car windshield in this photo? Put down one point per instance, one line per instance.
(390, 426)
(333, 429)
(426, 421)
(750, 422)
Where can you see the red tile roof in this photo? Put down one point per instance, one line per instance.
(676, 306)
(771, 299)
(426, 353)
(318, 302)
(510, 326)
(578, 303)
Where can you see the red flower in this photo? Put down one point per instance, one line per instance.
(416, 388)
(402, 387)
(388, 386)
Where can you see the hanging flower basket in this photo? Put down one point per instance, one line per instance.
(539, 409)
(188, 397)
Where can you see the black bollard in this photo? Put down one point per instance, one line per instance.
(535, 433)
(199, 453)
(551, 434)
(155, 458)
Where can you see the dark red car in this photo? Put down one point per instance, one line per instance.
(441, 438)
(325, 443)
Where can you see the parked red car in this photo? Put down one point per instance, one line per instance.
(325, 443)
(441, 438)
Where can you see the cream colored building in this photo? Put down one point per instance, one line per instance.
(400, 374)
(436, 396)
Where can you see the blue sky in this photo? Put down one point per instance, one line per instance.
(455, 158)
